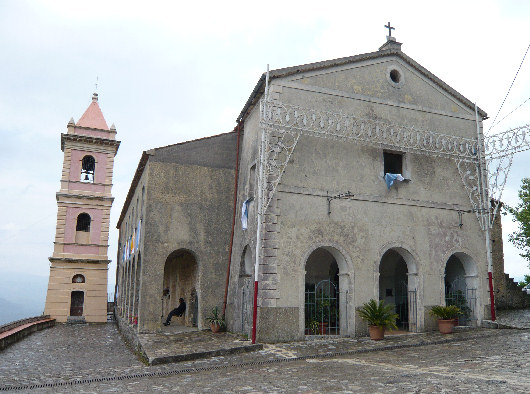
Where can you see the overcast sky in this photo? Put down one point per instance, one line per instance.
(174, 71)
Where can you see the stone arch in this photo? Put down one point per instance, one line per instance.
(130, 297)
(460, 285)
(331, 253)
(398, 284)
(245, 295)
(137, 283)
(246, 267)
(181, 276)
(410, 257)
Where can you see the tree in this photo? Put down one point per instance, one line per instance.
(521, 215)
(524, 282)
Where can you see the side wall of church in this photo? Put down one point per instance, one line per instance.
(240, 294)
(188, 208)
(129, 269)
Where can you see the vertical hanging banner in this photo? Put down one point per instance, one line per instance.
(137, 241)
(133, 239)
(244, 215)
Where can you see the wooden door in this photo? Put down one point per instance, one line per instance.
(76, 304)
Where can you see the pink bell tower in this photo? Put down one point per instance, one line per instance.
(77, 288)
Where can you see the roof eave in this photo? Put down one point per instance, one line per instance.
(136, 179)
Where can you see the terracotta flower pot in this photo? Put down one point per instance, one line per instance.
(322, 328)
(376, 333)
(215, 327)
(445, 326)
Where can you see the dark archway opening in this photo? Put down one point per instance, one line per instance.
(394, 289)
(460, 290)
(77, 301)
(322, 294)
(181, 281)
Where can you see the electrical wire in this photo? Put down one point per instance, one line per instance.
(520, 105)
(505, 97)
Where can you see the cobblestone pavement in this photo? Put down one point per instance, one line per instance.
(472, 361)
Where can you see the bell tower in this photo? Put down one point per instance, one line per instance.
(77, 287)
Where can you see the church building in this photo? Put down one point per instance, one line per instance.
(343, 181)
(77, 288)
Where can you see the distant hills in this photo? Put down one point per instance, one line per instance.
(21, 295)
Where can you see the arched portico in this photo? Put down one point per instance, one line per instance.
(326, 294)
(180, 281)
(398, 285)
(460, 280)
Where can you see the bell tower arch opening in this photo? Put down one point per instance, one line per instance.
(88, 168)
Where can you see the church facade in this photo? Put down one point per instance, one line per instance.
(336, 192)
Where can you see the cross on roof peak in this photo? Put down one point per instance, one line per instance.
(390, 28)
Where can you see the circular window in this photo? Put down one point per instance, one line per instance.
(394, 76)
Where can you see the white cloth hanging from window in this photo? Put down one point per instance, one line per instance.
(244, 214)
(391, 178)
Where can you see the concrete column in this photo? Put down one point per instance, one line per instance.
(346, 317)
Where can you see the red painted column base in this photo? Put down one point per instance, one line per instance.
(492, 296)
(255, 312)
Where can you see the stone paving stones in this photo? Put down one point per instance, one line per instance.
(93, 358)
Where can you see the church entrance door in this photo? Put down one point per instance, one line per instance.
(394, 288)
(76, 303)
(460, 289)
(322, 294)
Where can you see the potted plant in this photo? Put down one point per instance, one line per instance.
(216, 322)
(458, 299)
(312, 327)
(446, 315)
(379, 317)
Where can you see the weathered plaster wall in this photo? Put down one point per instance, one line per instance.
(419, 218)
(188, 207)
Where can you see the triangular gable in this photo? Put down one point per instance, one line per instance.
(380, 55)
(387, 80)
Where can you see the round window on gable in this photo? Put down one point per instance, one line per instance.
(394, 76)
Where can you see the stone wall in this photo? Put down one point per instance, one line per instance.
(507, 294)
